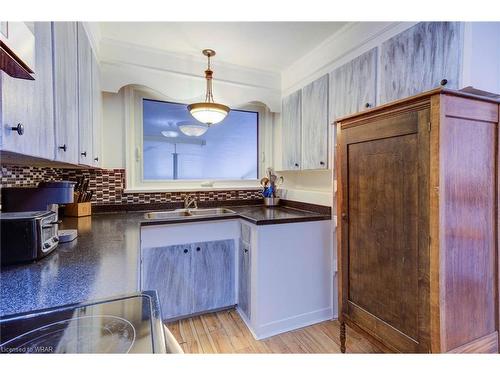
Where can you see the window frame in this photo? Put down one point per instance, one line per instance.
(133, 118)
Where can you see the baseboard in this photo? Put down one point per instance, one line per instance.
(246, 321)
(291, 323)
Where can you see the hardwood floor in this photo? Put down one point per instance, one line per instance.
(225, 332)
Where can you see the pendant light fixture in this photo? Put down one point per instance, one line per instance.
(208, 112)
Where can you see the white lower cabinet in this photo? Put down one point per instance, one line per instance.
(280, 277)
(244, 281)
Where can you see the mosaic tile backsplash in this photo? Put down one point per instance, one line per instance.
(109, 185)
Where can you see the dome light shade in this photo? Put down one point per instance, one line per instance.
(208, 112)
(193, 130)
(170, 133)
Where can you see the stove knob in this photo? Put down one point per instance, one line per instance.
(46, 245)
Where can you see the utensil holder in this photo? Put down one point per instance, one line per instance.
(271, 202)
(78, 209)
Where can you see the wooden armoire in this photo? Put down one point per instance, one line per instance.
(418, 237)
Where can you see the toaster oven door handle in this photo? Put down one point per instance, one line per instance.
(50, 225)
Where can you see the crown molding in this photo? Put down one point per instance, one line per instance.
(114, 51)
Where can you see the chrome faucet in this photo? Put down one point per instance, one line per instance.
(188, 201)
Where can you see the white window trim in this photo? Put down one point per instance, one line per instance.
(134, 145)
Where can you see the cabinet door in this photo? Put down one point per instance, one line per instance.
(66, 91)
(419, 58)
(244, 278)
(168, 271)
(315, 124)
(290, 131)
(213, 270)
(353, 85)
(96, 113)
(30, 103)
(385, 252)
(85, 98)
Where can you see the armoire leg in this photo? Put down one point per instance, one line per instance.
(342, 337)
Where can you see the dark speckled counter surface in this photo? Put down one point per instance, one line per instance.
(104, 260)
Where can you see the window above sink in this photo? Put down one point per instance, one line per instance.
(228, 156)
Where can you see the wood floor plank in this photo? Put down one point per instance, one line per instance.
(211, 321)
(225, 332)
(326, 343)
(204, 339)
(256, 345)
(276, 345)
(222, 343)
(189, 336)
(235, 335)
(294, 345)
(174, 328)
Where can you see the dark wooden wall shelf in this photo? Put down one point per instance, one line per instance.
(11, 64)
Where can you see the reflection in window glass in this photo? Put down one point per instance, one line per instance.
(227, 151)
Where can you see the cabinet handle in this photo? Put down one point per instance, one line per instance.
(63, 147)
(367, 105)
(321, 163)
(84, 153)
(443, 82)
(296, 164)
(19, 129)
(198, 249)
(96, 158)
(344, 216)
(185, 251)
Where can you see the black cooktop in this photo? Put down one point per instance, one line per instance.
(125, 324)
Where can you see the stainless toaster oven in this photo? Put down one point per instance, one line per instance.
(27, 236)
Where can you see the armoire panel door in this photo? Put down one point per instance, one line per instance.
(385, 228)
(315, 124)
(291, 115)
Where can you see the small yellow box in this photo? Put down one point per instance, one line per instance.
(78, 209)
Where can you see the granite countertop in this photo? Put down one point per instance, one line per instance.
(104, 260)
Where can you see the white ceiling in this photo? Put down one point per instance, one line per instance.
(271, 46)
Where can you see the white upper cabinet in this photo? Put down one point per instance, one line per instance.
(291, 131)
(85, 98)
(27, 106)
(353, 85)
(421, 58)
(315, 125)
(96, 113)
(66, 91)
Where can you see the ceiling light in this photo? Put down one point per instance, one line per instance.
(193, 130)
(208, 112)
(170, 133)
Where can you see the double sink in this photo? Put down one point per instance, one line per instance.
(186, 212)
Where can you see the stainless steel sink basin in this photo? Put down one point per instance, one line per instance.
(188, 213)
(210, 211)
